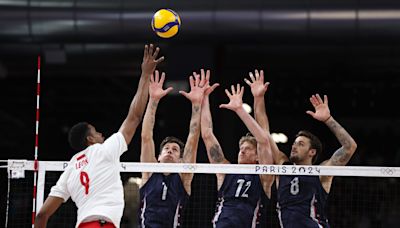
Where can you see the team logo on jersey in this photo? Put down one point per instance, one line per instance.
(81, 161)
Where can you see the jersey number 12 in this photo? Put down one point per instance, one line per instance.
(240, 186)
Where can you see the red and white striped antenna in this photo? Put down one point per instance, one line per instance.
(36, 163)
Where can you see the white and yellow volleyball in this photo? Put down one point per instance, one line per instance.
(166, 23)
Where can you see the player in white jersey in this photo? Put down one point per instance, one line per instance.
(92, 178)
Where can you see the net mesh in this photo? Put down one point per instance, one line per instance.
(20, 201)
(354, 201)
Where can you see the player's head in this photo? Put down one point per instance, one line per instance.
(247, 150)
(305, 148)
(171, 150)
(82, 135)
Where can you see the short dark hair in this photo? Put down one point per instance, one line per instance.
(77, 136)
(172, 139)
(315, 143)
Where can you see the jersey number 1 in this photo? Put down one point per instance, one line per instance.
(84, 177)
(164, 192)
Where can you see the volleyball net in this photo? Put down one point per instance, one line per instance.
(360, 196)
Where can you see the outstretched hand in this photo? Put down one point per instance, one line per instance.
(235, 98)
(322, 112)
(198, 85)
(209, 88)
(150, 60)
(257, 85)
(156, 90)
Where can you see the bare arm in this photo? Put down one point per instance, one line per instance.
(236, 104)
(198, 85)
(322, 113)
(214, 151)
(147, 143)
(138, 104)
(258, 89)
(192, 141)
(262, 118)
(343, 154)
(264, 151)
(49, 207)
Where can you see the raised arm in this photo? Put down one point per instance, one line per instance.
(322, 113)
(264, 151)
(198, 85)
(236, 104)
(138, 104)
(156, 93)
(258, 89)
(214, 151)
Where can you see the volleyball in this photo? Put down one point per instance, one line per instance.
(166, 23)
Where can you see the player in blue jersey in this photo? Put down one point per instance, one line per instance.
(239, 195)
(302, 199)
(163, 195)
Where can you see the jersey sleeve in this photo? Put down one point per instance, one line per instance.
(60, 189)
(114, 146)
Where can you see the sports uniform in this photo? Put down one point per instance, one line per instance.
(239, 201)
(301, 202)
(92, 180)
(162, 200)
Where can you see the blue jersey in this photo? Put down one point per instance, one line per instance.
(301, 202)
(162, 200)
(239, 201)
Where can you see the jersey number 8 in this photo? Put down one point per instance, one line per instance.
(294, 186)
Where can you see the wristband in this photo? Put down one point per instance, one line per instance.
(327, 118)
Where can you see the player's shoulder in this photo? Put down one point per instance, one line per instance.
(116, 138)
(91, 151)
(117, 135)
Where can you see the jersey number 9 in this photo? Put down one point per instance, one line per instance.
(84, 177)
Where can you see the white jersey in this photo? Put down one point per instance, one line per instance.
(92, 180)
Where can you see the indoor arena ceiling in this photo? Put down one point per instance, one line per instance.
(92, 51)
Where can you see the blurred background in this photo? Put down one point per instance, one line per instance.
(92, 51)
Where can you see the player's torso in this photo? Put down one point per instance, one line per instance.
(162, 200)
(239, 201)
(301, 198)
(93, 177)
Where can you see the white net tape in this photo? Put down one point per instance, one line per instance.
(355, 171)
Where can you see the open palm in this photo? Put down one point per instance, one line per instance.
(322, 111)
(257, 85)
(198, 85)
(156, 90)
(235, 98)
(150, 60)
